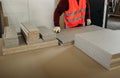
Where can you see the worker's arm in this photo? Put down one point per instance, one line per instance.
(61, 8)
(87, 16)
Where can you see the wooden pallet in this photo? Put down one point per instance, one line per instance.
(25, 48)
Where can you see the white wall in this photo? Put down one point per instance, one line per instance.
(41, 12)
(16, 10)
(38, 12)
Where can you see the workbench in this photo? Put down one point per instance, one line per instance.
(67, 37)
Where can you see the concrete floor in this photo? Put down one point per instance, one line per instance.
(55, 62)
(114, 23)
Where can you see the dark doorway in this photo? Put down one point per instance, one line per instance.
(97, 11)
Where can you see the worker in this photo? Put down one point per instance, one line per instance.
(76, 12)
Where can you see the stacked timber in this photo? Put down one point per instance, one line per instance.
(66, 36)
(10, 37)
(30, 33)
(46, 34)
(103, 46)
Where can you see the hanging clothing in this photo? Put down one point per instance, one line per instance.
(65, 6)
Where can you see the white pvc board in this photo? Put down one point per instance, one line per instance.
(106, 39)
(100, 45)
(67, 35)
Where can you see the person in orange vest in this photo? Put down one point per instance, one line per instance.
(76, 12)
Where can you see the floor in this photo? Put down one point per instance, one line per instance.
(55, 62)
(114, 23)
(114, 19)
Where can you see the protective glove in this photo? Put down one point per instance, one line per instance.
(88, 21)
(56, 29)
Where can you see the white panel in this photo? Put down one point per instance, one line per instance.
(67, 35)
(101, 45)
(98, 54)
(108, 40)
(15, 6)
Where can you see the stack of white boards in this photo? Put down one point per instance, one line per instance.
(10, 37)
(46, 34)
(67, 35)
(31, 33)
(103, 46)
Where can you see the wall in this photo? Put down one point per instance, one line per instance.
(16, 10)
(41, 12)
(37, 12)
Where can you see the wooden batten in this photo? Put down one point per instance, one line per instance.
(31, 33)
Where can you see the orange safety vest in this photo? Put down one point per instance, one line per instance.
(75, 15)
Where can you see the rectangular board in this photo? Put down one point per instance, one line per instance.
(100, 45)
(67, 35)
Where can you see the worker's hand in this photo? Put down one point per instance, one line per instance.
(56, 29)
(88, 21)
